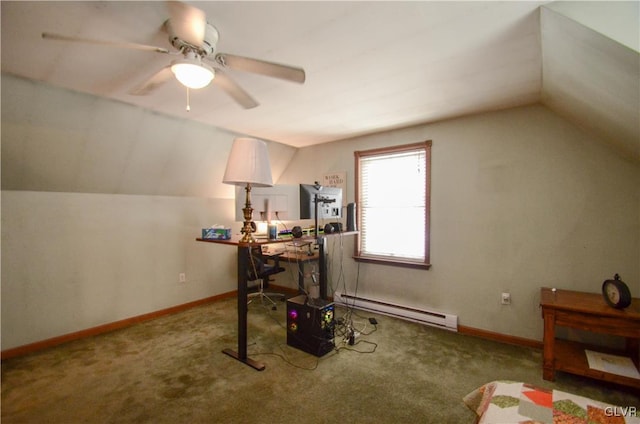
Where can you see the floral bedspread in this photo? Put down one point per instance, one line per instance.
(507, 402)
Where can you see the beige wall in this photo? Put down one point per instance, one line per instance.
(101, 206)
(520, 199)
(72, 261)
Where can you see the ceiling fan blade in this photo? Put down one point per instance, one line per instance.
(256, 66)
(187, 22)
(234, 90)
(125, 45)
(154, 82)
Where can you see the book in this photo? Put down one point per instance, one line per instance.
(613, 364)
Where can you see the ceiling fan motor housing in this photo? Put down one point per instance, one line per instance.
(209, 42)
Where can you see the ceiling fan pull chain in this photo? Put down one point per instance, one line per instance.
(188, 101)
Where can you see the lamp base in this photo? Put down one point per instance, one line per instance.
(248, 218)
(247, 238)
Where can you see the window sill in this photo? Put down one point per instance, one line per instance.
(392, 262)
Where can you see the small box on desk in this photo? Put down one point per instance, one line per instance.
(216, 233)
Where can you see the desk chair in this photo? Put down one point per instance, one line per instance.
(259, 269)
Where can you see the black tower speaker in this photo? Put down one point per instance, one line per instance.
(310, 325)
(351, 217)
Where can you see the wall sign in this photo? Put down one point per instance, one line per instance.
(337, 179)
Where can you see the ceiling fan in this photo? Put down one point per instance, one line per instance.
(195, 41)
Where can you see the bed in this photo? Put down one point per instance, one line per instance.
(506, 402)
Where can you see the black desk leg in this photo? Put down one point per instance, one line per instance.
(301, 289)
(241, 354)
(322, 263)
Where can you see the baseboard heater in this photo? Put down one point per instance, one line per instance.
(435, 319)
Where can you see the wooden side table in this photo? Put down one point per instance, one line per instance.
(588, 312)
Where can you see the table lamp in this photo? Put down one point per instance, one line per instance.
(248, 166)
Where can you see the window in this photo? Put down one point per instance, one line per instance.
(392, 195)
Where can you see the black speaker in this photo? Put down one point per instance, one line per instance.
(328, 229)
(351, 217)
(296, 231)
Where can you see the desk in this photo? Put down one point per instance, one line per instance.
(243, 263)
(588, 312)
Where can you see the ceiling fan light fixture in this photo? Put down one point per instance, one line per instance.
(192, 74)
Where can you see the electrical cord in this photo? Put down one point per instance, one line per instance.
(295, 276)
(282, 355)
(288, 361)
(375, 346)
(348, 330)
(336, 349)
(285, 357)
(344, 329)
(341, 264)
(281, 222)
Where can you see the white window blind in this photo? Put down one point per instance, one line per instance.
(393, 202)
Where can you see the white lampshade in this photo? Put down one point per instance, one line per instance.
(248, 163)
(191, 73)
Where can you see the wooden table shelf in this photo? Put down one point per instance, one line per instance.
(570, 357)
(588, 312)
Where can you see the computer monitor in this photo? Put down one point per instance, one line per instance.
(329, 202)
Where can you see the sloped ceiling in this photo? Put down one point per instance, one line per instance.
(371, 66)
(63, 141)
(590, 78)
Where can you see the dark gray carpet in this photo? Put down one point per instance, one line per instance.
(171, 370)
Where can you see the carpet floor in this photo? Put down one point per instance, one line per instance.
(171, 370)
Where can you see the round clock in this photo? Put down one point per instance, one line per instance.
(616, 293)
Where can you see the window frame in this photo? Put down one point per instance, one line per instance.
(387, 260)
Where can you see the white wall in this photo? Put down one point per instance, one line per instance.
(101, 206)
(72, 261)
(520, 199)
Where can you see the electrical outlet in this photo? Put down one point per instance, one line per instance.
(182, 277)
(506, 298)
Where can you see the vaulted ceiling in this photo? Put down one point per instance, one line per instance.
(370, 66)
